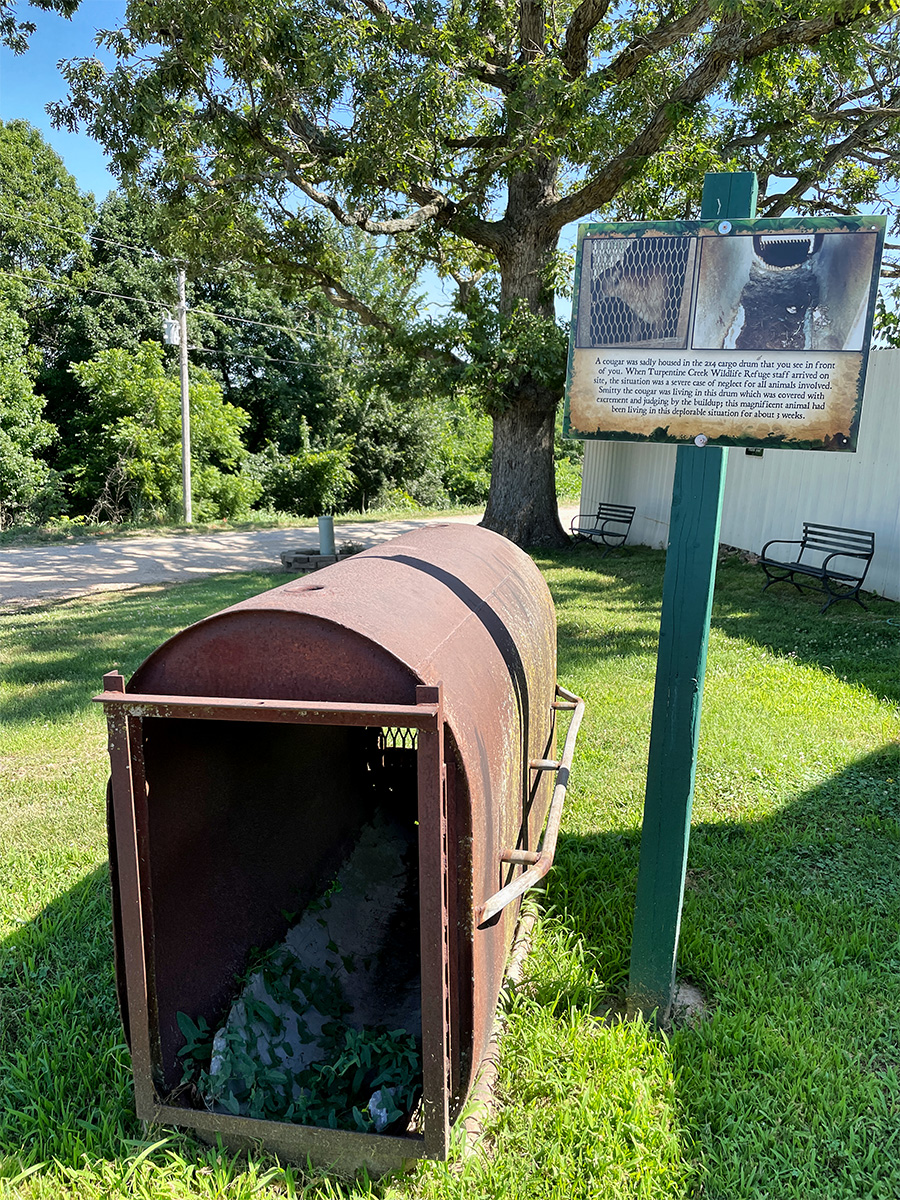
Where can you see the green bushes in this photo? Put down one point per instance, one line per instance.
(29, 489)
(308, 483)
(130, 439)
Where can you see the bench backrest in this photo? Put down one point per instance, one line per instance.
(615, 512)
(831, 539)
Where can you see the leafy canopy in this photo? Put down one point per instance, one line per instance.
(469, 136)
(422, 118)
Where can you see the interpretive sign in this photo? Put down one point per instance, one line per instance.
(738, 332)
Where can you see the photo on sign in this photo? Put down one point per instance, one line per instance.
(636, 292)
(746, 332)
(784, 291)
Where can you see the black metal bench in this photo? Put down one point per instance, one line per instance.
(610, 525)
(819, 546)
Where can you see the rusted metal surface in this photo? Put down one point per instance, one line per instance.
(543, 861)
(434, 929)
(342, 1152)
(302, 712)
(243, 761)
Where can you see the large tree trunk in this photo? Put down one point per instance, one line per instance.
(522, 500)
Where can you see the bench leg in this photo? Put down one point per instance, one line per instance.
(611, 545)
(834, 597)
(782, 579)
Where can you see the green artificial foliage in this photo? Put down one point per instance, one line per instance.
(333, 1091)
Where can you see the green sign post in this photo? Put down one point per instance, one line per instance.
(681, 666)
(723, 331)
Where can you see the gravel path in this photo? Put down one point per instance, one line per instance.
(37, 574)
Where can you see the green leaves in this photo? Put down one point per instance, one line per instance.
(264, 126)
(309, 483)
(131, 438)
(334, 1092)
(29, 490)
(198, 1039)
(526, 351)
(42, 213)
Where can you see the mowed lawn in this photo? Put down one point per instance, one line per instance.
(789, 1087)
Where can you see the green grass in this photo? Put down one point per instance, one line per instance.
(790, 1088)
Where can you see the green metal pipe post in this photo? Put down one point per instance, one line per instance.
(681, 665)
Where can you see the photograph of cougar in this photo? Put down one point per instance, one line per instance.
(632, 292)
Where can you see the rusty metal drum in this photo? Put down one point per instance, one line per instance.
(416, 680)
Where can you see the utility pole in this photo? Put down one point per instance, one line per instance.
(185, 400)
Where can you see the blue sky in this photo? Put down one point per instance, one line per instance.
(30, 81)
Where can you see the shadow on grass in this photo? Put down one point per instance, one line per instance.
(64, 1070)
(861, 647)
(790, 930)
(790, 922)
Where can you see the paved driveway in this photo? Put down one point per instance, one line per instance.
(36, 574)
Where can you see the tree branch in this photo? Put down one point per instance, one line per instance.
(844, 149)
(426, 212)
(339, 296)
(584, 20)
(844, 114)
(835, 116)
(491, 74)
(664, 35)
(805, 33)
(705, 77)
(884, 156)
(757, 137)
(725, 50)
(784, 200)
(531, 28)
(491, 142)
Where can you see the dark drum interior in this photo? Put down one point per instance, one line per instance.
(248, 823)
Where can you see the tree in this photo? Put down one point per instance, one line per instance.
(43, 215)
(130, 441)
(42, 223)
(29, 490)
(275, 356)
(469, 135)
(111, 296)
(43, 219)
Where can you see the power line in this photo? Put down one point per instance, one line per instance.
(201, 312)
(76, 287)
(250, 274)
(89, 236)
(300, 362)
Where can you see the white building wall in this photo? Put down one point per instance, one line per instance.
(771, 496)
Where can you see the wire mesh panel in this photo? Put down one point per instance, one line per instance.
(398, 738)
(392, 760)
(635, 291)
